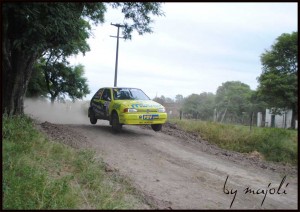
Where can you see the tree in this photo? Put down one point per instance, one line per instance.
(31, 30)
(58, 80)
(190, 105)
(37, 85)
(76, 86)
(179, 100)
(161, 100)
(51, 73)
(278, 83)
(233, 98)
(206, 105)
(179, 103)
(169, 100)
(200, 106)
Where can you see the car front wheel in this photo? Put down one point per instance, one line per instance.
(93, 119)
(115, 124)
(156, 127)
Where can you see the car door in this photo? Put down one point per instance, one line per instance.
(96, 105)
(105, 102)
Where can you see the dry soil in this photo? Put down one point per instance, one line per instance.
(173, 169)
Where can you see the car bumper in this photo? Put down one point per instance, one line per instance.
(143, 118)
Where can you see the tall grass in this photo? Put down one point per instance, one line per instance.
(278, 145)
(39, 174)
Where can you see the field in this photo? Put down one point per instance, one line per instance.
(277, 145)
(42, 174)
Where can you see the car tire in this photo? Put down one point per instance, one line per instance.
(115, 124)
(93, 119)
(156, 127)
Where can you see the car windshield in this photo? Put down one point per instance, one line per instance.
(129, 94)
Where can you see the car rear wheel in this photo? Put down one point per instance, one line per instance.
(115, 124)
(93, 119)
(156, 127)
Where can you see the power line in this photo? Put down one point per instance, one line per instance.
(117, 51)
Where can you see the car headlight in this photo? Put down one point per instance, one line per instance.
(161, 110)
(130, 110)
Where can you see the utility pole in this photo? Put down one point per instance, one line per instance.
(117, 51)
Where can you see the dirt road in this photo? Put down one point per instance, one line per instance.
(178, 171)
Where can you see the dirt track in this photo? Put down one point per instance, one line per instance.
(177, 171)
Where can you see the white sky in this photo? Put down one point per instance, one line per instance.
(194, 48)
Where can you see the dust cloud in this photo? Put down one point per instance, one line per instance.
(59, 113)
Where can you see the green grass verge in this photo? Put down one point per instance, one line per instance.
(40, 174)
(278, 145)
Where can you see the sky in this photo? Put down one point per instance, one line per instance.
(194, 48)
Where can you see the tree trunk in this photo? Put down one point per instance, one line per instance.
(52, 100)
(17, 65)
(224, 114)
(251, 120)
(17, 68)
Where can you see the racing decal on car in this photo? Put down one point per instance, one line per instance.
(106, 105)
(117, 106)
(143, 105)
(97, 109)
(94, 104)
(97, 100)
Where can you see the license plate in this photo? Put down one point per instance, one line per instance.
(150, 117)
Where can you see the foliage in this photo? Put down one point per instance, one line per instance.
(278, 83)
(46, 25)
(38, 174)
(137, 16)
(233, 98)
(179, 99)
(200, 106)
(163, 100)
(37, 85)
(190, 105)
(55, 29)
(63, 79)
(278, 145)
(58, 80)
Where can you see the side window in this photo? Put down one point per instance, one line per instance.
(98, 94)
(106, 95)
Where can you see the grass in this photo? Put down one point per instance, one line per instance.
(41, 174)
(277, 145)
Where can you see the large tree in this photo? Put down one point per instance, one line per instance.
(31, 30)
(233, 99)
(278, 83)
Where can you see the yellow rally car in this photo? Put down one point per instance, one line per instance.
(126, 106)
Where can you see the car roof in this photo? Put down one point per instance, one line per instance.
(120, 87)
